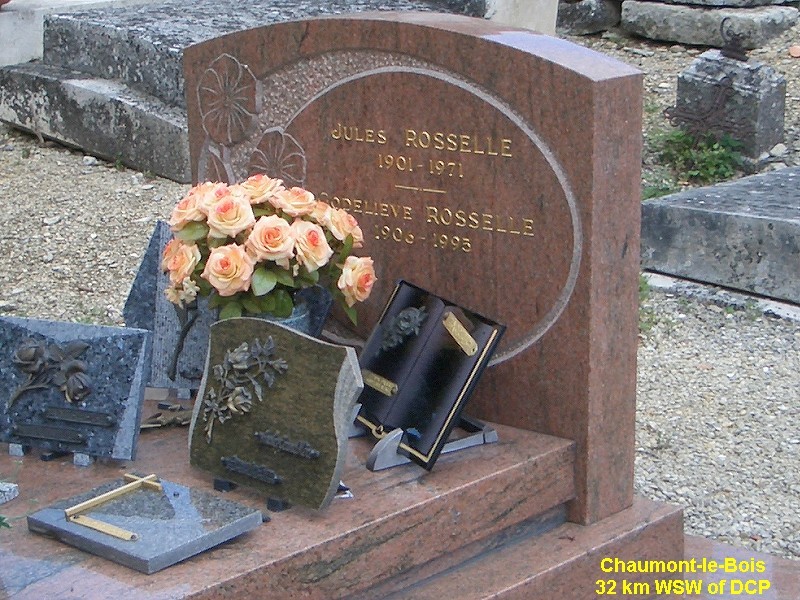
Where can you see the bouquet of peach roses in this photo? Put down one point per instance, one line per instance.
(250, 246)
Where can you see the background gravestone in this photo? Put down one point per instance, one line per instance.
(274, 410)
(515, 197)
(112, 363)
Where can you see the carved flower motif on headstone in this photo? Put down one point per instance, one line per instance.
(279, 155)
(228, 99)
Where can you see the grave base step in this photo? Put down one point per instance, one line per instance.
(103, 117)
(564, 562)
(473, 501)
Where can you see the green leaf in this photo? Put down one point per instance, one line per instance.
(216, 242)
(283, 277)
(263, 212)
(205, 288)
(267, 304)
(311, 278)
(230, 310)
(347, 248)
(193, 231)
(283, 304)
(350, 311)
(215, 300)
(251, 305)
(263, 281)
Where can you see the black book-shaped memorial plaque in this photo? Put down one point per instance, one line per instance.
(419, 366)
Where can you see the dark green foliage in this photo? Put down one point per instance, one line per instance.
(703, 160)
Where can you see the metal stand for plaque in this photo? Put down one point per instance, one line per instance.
(385, 454)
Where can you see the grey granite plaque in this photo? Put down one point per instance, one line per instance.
(146, 528)
(72, 387)
(179, 341)
(274, 410)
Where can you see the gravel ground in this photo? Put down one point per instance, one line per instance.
(718, 425)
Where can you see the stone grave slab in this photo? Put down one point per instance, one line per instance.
(518, 200)
(170, 524)
(742, 234)
(148, 308)
(274, 409)
(72, 387)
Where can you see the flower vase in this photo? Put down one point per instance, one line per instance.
(187, 358)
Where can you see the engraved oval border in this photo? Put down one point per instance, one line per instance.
(550, 318)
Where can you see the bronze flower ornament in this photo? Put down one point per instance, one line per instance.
(52, 365)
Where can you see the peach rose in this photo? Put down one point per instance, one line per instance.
(229, 269)
(186, 211)
(271, 239)
(342, 224)
(357, 279)
(231, 215)
(179, 259)
(310, 246)
(259, 188)
(207, 194)
(322, 213)
(295, 202)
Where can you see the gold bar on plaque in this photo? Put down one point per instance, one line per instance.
(381, 384)
(103, 527)
(460, 334)
(111, 495)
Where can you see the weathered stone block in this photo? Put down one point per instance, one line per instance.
(752, 94)
(101, 116)
(587, 16)
(742, 234)
(701, 26)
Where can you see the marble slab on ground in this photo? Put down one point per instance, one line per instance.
(274, 409)
(72, 387)
(171, 524)
(742, 234)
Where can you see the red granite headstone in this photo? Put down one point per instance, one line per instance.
(492, 166)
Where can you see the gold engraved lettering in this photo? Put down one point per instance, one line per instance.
(473, 220)
(460, 334)
(527, 227)
(378, 383)
(446, 217)
(352, 133)
(457, 142)
(369, 207)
